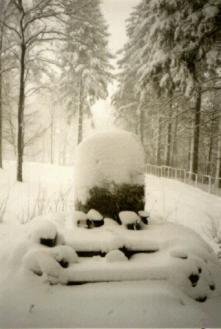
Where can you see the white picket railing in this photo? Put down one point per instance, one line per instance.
(207, 183)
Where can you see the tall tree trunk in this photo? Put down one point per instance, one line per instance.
(174, 143)
(21, 104)
(208, 167)
(210, 150)
(52, 143)
(218, 158)
(52, 136)
(169, 137)
(141, 122)
(1, 151)
(196, 133)
(158, 153)
(190, 149)
(80, 111)
(1, 100)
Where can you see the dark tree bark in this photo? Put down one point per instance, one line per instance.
(0, 104)
(1, 100)
(174, 142)
(218, 157)
(196, 132)
(211, 144)
(21, 104)
(169, 137)
(158, 155)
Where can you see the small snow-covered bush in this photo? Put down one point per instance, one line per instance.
(109, 174)
(42, 202)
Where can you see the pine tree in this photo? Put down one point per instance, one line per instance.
(87, 70)
(179, 36)
(171, 50)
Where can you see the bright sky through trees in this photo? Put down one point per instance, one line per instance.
(115, 13)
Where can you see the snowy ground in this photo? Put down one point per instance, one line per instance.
(171, 200)
(27, 302)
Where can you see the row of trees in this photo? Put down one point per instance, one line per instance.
(53, 47)
(170, 82)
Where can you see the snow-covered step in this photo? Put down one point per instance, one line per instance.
(102, 271)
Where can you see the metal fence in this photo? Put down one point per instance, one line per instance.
(207, 183)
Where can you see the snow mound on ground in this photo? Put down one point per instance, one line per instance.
(106, 158)
(116, 256)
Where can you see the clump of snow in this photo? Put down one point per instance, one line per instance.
(64, 253)
(210, 11)
(80, 219)
(42, 264)
(50, 263)
(106, 158)
(144, 213)
(128, 217)
(42, 229)
(115, 256)
(94, 215)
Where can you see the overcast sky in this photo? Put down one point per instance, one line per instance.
(116, 12)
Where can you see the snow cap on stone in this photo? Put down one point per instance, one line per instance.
(94, 215)
(42, 229)
(143, 213)
(128, 217)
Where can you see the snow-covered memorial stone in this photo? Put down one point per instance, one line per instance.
(57, 251)
(109, 180)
